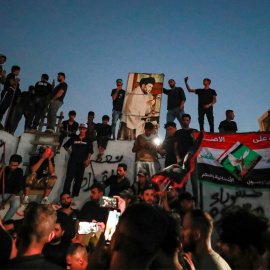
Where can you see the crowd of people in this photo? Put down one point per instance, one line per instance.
(158, 228)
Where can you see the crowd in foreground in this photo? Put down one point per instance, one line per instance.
(156, 230)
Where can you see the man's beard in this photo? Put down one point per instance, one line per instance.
(55, 240)
(67, 205)
(190, 246)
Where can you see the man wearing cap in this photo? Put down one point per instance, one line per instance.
(138, 105)
(42, 175)
(80, 154)
(118, 96)
(176, 101)
(142, 182)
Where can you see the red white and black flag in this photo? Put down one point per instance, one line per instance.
(235, 160)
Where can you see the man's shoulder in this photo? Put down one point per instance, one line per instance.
(65, 122)
(62, 86)
(212, 91)
(180, 89)
(126, 180)
(212, 261)
(37, 261)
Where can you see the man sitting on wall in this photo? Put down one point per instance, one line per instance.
(13, 183)
(42, 174)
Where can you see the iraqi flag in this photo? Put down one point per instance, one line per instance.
(235, 160)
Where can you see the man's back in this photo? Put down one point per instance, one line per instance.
(37, 261)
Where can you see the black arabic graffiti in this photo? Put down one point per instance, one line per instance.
(88, 181)
(223, 200)
(108, 159)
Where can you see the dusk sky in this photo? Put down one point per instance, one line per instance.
(94, 42)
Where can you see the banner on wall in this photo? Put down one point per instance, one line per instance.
(235, 160)
(142, 104)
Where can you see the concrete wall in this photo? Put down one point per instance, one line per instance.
(215, 199)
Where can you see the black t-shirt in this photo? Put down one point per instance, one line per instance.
(168, 145)
(73, 128)
(91, 210)
(69, 221)
(60, 86)
(56, 253)
(43, 170)
(228, 126)
(80, 148)
(175, 97)
(118, 102)
(8, 78)
(13, 180)
(43, 89)
(37, 261)
(115, 186)
(103, 130)
(27, 100)
(5, 248)
(205, 96)
(184, 139)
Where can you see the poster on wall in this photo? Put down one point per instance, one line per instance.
(142, 104)
(235, 160)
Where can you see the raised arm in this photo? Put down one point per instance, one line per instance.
(188, 88)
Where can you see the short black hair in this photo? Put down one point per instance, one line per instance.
(45, 76)
(235, 225)
(123, 165)
(208, 80)
(64, 193)
(14, 68)
(72, 113)
(105, 117)
(149, 126)
(31, 88)
(3, 56)
(15, 158)
(229, 111)
(62, 74)
(73, 247)
(170, 124)
(91, 113)
(99, 186)
(186, 115)
(202, 221)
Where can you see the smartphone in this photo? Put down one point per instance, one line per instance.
(48, 150)
(108, 202)
(87, 227)
(112, 221)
